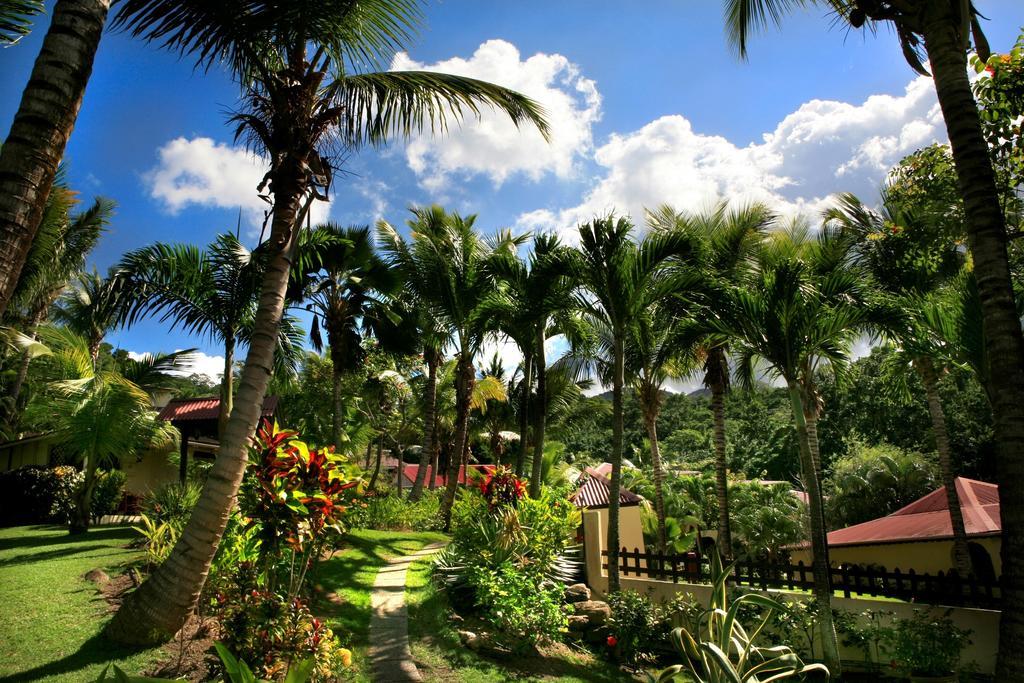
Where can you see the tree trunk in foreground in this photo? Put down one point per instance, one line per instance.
(819, 540)
(429, 426)
(42, 125)
(961, 556)
(724, 543)
(162, 604)
(524, 414)
(541, 418)
(464, 389)
(986, 233)
(618, 379)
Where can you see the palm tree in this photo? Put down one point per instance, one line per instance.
(299, 65)
(617, 278)
(91, 308)
(941, 31)
(210, 292)
(799, 312)
(58, 252)
(910, 262)
(33, 148)
(728, 238)
(16, 19)
(533, 303)
(99, 415)
(454, 261)
(348, 289)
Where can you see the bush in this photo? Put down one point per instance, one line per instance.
(107, 493)
(389, 512)
(34, 494)
(512, 602)
(929, 646)
(172, 503)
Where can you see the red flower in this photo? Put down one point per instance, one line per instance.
(612, 641)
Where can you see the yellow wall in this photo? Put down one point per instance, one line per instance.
(149, 473)
(928, 557)
(30, 452)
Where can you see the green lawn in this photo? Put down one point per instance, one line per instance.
(50, 617)
(351, 572)
(440, 656)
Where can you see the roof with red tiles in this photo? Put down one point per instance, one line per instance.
(595, 492)
(189, 409)
(409, 474)
(927, 518)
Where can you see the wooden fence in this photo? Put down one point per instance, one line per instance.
(852, 580)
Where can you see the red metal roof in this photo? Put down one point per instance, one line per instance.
(595, 492)
(409, 474)
(187, 409)
(927, 519)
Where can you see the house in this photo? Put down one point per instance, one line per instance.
(409, 473)
(920, 535)
(593, 497)
(31, 449)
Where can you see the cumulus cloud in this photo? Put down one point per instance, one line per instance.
(493, 146)
(209, 367)
(202, 172)
(821, 148)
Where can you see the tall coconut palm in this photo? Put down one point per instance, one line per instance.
(910, 262)
(348, 289)
(428, 330)
(58, 252)
(34, 147)
(617, 279)
(793, 317)
(532, 303)
(98, 414)
(302, 67)
(729, 239)
(454, 261)
(91, 308)
(211, 293)
(941, 31)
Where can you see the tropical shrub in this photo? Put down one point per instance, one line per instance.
(873, 481)
(172, 503)
(926, 645)
(763, 519)
(639, 627)
(34, 494)
(395, 513)
(506, 556)
(721, 650)
(107, 493)
(870, 631)
(158, 538)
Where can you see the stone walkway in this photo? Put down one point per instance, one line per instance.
(390, 657)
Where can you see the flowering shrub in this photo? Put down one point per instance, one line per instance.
(34, 494)
(502, 488)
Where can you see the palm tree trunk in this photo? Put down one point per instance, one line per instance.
(926, 369)
(14, 392)
(651, 410)
(376, 467)
(429, 425)
(162, 604)
(1004, 343)
(336, 407)
(819, 540)
(434, 457)
(724, 543)
(524, 414)
(81, 515)
(618, 380)
(227, 386)
(541, 419)
(369, 454)
(463, 389)
(41, 128)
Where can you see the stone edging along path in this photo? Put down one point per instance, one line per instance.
(389, 654)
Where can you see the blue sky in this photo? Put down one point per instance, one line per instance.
(648, 102)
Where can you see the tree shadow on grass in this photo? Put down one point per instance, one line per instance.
(91, 536)
(45, 556)
(96, 650)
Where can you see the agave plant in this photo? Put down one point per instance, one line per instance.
(720, 650)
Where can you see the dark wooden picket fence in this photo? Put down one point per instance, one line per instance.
(935, 589)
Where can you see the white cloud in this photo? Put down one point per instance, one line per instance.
(210, 367)
(821, 148)
(206, 173)
(493, 146)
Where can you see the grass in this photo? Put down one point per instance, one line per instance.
(350, 574)
(441, 657)
(50, 616)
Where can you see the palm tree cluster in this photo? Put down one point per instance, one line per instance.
(725, 294)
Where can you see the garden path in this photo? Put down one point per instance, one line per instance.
(390, 657)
